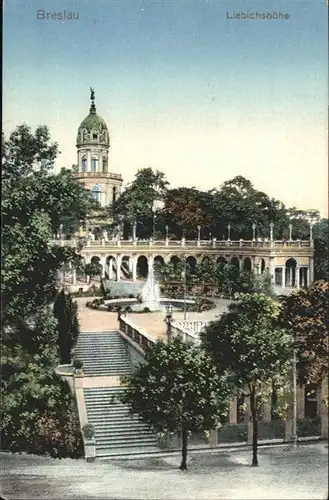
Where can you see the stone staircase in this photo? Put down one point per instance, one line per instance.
(117, 433)
(103, 354)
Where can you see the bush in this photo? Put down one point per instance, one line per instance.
(146, 310)
(131, 296)
(88, 431)
(128, 309)
(77, 364)
(110, 308)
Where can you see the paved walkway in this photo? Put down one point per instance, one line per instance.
(287, 473)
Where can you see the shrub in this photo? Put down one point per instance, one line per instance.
(110, 308)
(128, 309)
(146, 310)
(88, 431)
(77, 364)
(131, 296)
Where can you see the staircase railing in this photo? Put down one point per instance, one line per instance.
(136, 334)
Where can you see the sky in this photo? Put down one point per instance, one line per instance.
(184, 87)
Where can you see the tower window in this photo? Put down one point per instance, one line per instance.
(83, 164)
(94, 161)
(114, 193)
(95, 136)
(104, 164)
(96, 193)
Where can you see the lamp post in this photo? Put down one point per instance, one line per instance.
(199, 232)
(228, 232)
(168, 320)
(134, 230)
(271, 231)
(253, 232)
(167, 229)
(290, 232)
(294, 398)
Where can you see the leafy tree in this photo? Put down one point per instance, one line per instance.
(321, 251)
(306, 314)
(178, 389)
(135, 203)
(248, 343)
(66, 313)
(185, 209)
(34, 202)
(93, 269)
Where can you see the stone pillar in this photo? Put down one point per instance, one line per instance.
(118, 262)
(74, 276)
(252, 264)
(110, 272)
(311, 270)
(283, 276)
(88, 166)
(233, 413)
(134, 268)
(103, 264)
(300, 401)
(240, 264)
(324, 408)
(297, 277)
(213, 438)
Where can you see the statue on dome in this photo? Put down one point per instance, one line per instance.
(92, 94)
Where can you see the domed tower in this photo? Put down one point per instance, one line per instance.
(93, 143)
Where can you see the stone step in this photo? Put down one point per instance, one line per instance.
(117, 443)
(113, 435)
(103, 452)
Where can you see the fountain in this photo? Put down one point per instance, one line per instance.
(151, 291)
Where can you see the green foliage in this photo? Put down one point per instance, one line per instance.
(321, 252)
(66, 313)
(178, 389)
(135, 203)
(306, 314)
(38, 411)
(88, 431)
(93, 269)
(249, 343)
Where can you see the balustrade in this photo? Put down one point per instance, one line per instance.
(189, 243)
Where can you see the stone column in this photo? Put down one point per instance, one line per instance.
(252, 264)
(103, 264)
(311, 270)
(297, 276)
(110, 271)
(283, 276)
(240, 264)
(233, 412)
(74, 276)
(134, 268)
(88, 166)
(300, 401)
(118, 262)
(288, 433)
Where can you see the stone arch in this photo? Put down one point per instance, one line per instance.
(110, 264)
(221, 261)
(126, 266)
(142, 266)
(174, 259)
(159, 259)
(235, 262)
(192, 263)
(247, 264)
(290, 268)
(206, 258)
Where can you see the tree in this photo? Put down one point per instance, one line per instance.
(305, 313)
(321, 251)
(248, 342)
(93, 269)
(178, 389)
(66, 313)
(185, 209)
(135, 203)
(34, 202)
